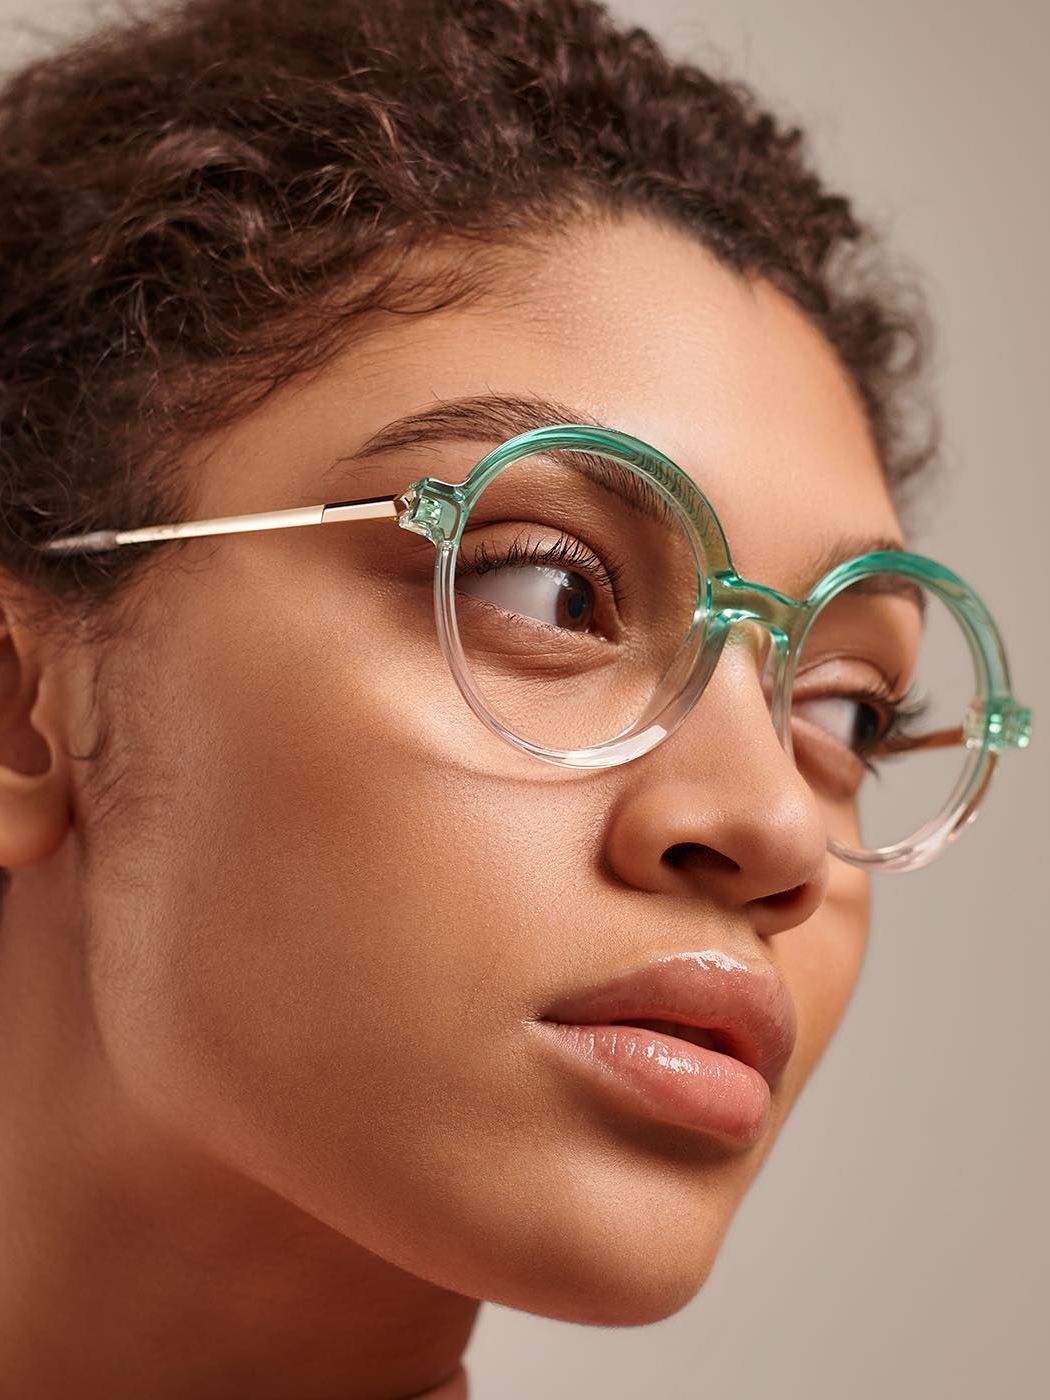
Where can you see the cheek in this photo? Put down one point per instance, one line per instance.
(336, 931)
(821, 962)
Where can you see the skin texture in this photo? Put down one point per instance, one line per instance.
(272, 1116)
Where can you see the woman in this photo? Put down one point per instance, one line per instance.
(323, 845)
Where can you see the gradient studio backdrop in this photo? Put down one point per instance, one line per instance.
(894, 1243)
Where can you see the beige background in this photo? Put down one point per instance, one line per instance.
(896, 1241)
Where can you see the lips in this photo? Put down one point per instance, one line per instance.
(707, 998)
(693, 1035)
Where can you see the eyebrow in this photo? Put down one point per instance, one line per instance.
(491, 419)
(482, 418)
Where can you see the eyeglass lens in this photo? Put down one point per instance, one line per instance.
(577, 606)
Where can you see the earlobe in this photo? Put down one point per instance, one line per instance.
(34, 794)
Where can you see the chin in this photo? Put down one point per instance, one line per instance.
(628, 1261)
(613, 1293)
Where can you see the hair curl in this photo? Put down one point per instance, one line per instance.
(203, 202)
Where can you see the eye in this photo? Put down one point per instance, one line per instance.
(851, 722)
(535, 581)
(865, 721)
(559, 597)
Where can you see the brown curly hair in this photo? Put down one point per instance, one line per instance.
(203, 202)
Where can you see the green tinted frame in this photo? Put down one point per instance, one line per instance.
(439, 510)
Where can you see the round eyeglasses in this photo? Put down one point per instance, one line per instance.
(584, 593)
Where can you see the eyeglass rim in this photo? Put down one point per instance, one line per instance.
(440, 510)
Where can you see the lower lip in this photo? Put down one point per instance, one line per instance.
(669, 1080)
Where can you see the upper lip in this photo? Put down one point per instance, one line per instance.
(747, 1009)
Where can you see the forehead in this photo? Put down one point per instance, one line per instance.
(639, 327)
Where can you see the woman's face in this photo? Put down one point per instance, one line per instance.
(331, 905)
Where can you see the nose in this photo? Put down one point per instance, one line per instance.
(719, 810)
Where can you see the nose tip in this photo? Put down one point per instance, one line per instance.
(770, 859)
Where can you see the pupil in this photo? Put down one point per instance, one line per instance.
(574, 605)
(866, 728)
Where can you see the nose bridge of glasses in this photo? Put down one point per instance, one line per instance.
(762, 614)
(763, 621)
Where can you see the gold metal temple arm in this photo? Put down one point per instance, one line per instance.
(371, 508)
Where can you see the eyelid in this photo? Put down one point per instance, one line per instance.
(810, 675)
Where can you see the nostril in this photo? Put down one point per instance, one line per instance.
(785, 901)
(693, 855)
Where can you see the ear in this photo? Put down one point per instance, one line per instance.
(34, 773)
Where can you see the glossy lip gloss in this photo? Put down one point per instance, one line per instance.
(667, 1079)
(696, 1039)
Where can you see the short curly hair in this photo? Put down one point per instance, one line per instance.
(198, 203)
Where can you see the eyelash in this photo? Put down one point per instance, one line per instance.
(566, 552)
(903, 712)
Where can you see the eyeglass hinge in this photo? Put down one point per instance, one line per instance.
(426, 514)
(997, 723)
